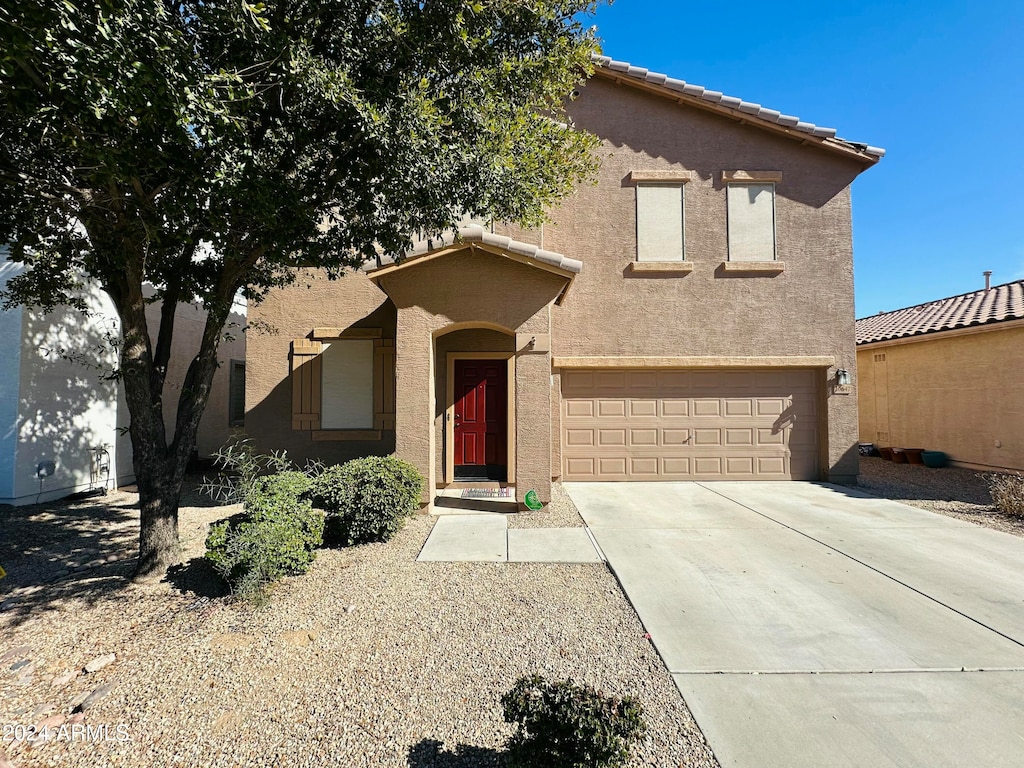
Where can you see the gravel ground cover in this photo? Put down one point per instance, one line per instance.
(370, 659)
(952, 491)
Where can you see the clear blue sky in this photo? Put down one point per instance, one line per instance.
(939, 85)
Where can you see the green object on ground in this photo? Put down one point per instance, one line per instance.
(531, 501)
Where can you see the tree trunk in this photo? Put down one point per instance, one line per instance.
(159, 547)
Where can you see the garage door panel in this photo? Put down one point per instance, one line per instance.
(644, 467)
(705, 437)
(611, 407)
(643, 437)
(675, 437)
(675, 407)
(579, 409)
(739, 437)
(639, 409)
(705, 407)
(615, 437)
(690, 425)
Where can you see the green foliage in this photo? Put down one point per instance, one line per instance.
(1007, 492)
(565, 725)
(368, 499)
(276, 535)
(243, 470)
(211, 147)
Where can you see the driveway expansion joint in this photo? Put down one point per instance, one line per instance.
(907, 671)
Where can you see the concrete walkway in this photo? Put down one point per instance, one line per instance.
(810, 625)
(472, 538)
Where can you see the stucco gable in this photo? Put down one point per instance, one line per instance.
(748, 112)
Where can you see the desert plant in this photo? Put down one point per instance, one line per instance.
(276, 535)
(242, 470)
(1007, 492)
(564, 725)
(368, 499)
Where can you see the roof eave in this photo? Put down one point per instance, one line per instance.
(827, 143)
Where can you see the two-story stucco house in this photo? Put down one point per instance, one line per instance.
(686, 318)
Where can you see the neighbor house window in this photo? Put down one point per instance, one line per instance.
(751, 213)
(236, 394)
(347, 384)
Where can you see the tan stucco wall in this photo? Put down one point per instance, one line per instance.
(292, 313)
(962, 394)
(805, 310)
(490, 292)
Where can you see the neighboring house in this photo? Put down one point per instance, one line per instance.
(682, 319)
(62, 423)
(947, 376)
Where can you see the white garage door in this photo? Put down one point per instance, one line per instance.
(690, 424)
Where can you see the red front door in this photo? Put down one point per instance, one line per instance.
(481, 426)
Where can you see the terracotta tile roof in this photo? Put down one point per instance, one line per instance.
(746, 108)
(477, 234)
(998, 304)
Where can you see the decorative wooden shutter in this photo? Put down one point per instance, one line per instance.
(384, 384)
(306, 384)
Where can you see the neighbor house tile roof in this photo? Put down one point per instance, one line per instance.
(995, 305)
(745, 108)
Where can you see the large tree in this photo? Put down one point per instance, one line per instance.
(211, 147)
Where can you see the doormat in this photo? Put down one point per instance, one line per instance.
(487, 493)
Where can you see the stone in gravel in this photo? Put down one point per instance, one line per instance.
(78, 717)
(100, 662)
(350, 609)
(6, 762)
(231, 640)
(8, 605)
(15, 653)
(20, 665)
(77, 701)
(93, 697)
(302, 638)
(43, 709)
(61, 680)
(53, 721)
(228, 721)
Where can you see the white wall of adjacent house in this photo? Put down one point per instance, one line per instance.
(65, 430)
(57, 407)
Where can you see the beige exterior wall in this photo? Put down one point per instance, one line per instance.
(292, 313)
(806, 310)
(961, 393)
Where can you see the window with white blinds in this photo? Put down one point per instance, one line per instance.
(659, 222)
(751, 222)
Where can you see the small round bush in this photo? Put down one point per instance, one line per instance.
(565, 725)
(369, 498)
(276, 535)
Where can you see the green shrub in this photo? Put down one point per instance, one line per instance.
(369, 499)
(276, 535)
(1007, 492)
(565, 725)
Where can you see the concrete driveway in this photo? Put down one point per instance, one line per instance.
(813, 625)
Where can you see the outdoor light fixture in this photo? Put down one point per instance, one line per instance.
(842, 377)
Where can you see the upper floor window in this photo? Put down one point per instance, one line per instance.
(660, 215)
(751, 214)
(659, 222)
